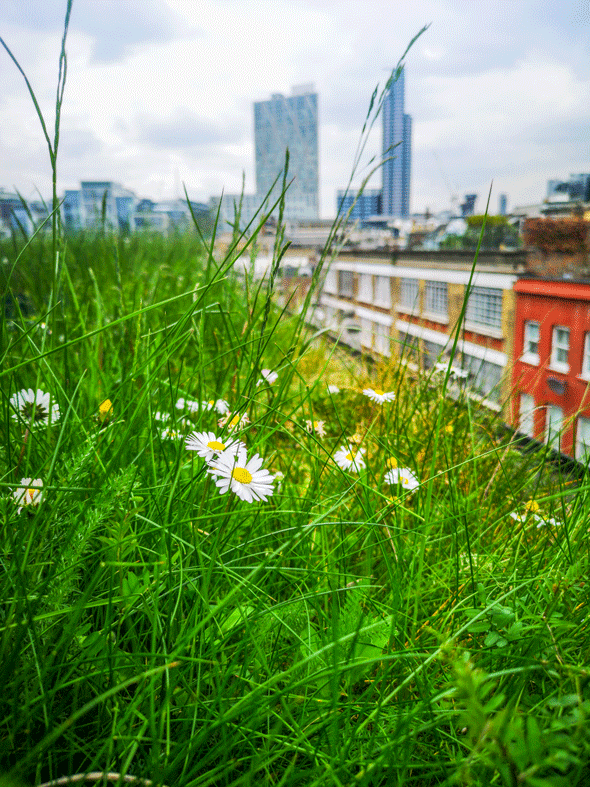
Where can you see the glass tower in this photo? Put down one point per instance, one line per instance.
(397, 147)
(289, 122)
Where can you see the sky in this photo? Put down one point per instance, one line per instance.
(159, 93)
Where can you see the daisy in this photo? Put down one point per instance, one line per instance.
(207, 445)
(379, 396)
(34, 406)
(222, 407)
(403, 476)
(268, 377)
(333, 389)
(234, 422)
(188, 404)
(171, 434)
(244, 477)
(350, 459)
(316, 427)
(162, 417)
(30, 493)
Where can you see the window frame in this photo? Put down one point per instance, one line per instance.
(409, 287)
(382, 283)
(526, 414)
(528, 355)
(585, 373)
(485, 307)
(436, 299)
(552, 438)
(555, 363)
(585, 455)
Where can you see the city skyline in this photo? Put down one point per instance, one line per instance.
(157, 95)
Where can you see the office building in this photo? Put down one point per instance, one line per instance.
(362, 206)
(288, 122)
(397, 150)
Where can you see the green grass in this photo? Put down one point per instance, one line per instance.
(342, 632)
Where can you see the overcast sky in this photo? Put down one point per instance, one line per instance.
(160, 92)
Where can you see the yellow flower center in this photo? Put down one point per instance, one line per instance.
(215, 445)
(378, 391)
(392, 462)
(350, 457)
(242, 475)
(31, 492)
(532, 505)
(211, 402)
(235, 420)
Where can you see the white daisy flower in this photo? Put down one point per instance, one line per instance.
(316, 427)
(30, 493)
(403, 476)
(268, 377)
(278, 479)
(333, 389)
(350, 458)
(208, 445)
(34, 407)
(171, 434)
(379, 396)
(188, 404)
(234, 422)
(244, 477)
(222, 406)
(161, 417)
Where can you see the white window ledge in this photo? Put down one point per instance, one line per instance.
(443, 319)
(530, 358)
(407, 309)
(562, 368)
(584, 377)
(484, 330)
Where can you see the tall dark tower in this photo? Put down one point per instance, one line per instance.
(397, 145)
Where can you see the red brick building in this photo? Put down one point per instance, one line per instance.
(551, 369)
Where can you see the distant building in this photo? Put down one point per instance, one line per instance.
(397, 148)
(468, 206)
(502, 204)
(289, 123)
(362, 206)
(576, 189)
(551, 371)
(106, 205)
(13, 214)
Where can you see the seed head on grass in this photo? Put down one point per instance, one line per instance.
(244, 477)
(34, 407)
(30, 493)
(105, 411)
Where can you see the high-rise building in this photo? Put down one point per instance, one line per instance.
(289, 122)
(397, 148)
(362, 206)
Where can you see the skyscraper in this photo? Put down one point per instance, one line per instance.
(397, 146)
(289, 122)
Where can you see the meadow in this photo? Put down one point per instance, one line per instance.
(233, 554)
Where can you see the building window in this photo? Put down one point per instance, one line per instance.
(408, 293)
(484, 377)
(436, 300)
(431, 354)
(331, 282)
(366, 332)
(382, 339)
(365, 288)
(583, 439)
(553, 426)
(485, 307)
(408, 346)
(383, 291)
(526, 415)
(560, 348)
(531, 343)
(586, 358)
(346, 283)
